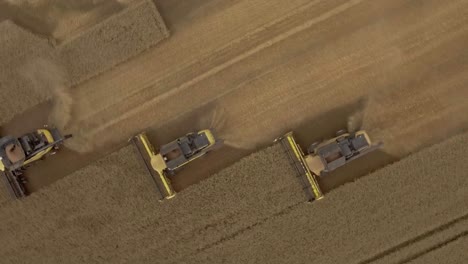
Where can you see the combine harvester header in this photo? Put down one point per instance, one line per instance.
(155, 165)
(324, 157)
(296, 156)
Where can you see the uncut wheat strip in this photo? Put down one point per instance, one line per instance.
(19, 47)
(114, 40)
(363, 221)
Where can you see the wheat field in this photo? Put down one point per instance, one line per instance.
(251, 70)
(109, 212)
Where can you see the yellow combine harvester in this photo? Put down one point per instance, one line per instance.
(172, 156)
(326, 156)
(16, 154)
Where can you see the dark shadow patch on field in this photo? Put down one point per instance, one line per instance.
(195, 120)
(356, 169)
(180, 14)
(29, 120)
(325, 126)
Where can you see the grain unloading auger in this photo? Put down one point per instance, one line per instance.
(163, 164)
(326, 156)
(16, 154)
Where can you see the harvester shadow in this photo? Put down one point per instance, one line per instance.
(325, 126)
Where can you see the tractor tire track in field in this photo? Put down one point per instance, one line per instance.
(452, 251)
(140, 72)
(460, 224)
(435, 248)
(431, 28)
(103, 124)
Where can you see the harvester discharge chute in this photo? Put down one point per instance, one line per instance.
(163, 164)
(16, 154)
(296, 156)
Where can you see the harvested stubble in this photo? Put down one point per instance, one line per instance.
(121, 36)
(363, 221)
(18, 48)
(109, 210)
(454, 252)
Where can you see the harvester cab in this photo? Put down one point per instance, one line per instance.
(16, 154)
(172, 156)
(185, 149)
(331, 154)
(325, 156)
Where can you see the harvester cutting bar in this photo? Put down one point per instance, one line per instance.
(150, 159)
(296, 155)
(14, 184)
